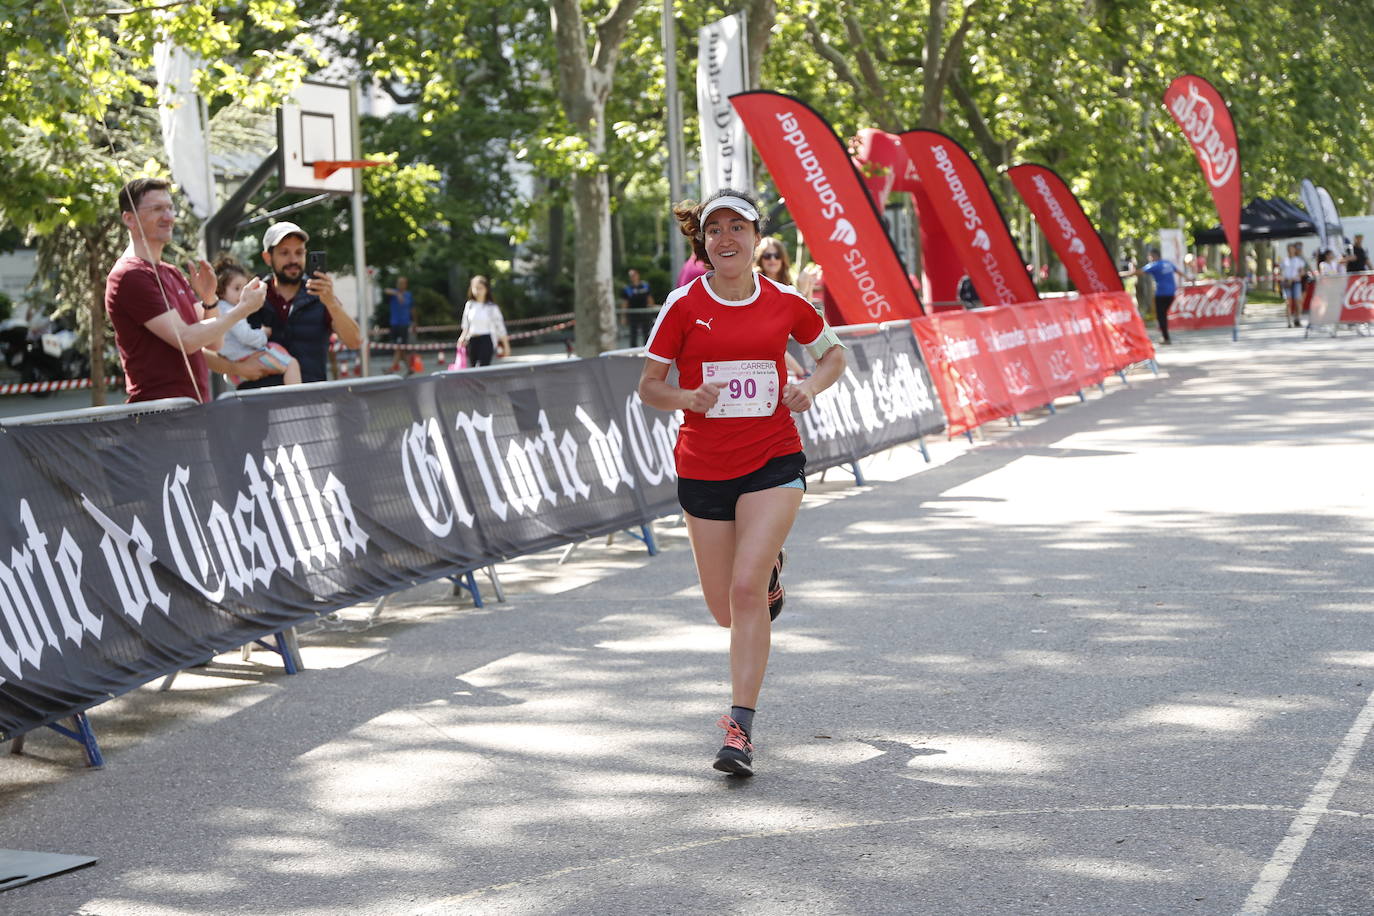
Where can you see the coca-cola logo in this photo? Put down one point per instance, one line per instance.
(1196, 116)
(1359, 292)
(1214, 300)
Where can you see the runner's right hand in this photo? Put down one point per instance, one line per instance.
(704, 398)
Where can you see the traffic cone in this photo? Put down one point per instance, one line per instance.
(416, 363)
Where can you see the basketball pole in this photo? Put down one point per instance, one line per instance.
(359, 242)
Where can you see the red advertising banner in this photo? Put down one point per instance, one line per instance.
(991, 363)
(1205, 120)
(966, 378)
(971, 218)
(1054, 348)
(1005, 336)
(1342, 299)
(1069, 231)
(828, 200)
(1123, 328)
(1207, 305)
(1083, 332)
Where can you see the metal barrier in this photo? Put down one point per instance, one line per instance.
(96, 414)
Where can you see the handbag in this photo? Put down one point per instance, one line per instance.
(460, 359)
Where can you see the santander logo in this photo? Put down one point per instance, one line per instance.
(1198, 120)
(981, 240)
(844, 232)
(1076, 245)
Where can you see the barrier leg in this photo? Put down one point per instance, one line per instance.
(1049, 405)
(925, 452)
(496, 584)
(80, 732)
(1081, 396)
(858, 474)
(1121, 374)
(567, 552)
(969, 434)
(1154, 367)
(285, 646)
(646, 536)
(1014, 419)
(468, 582)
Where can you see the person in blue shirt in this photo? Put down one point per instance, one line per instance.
(400, 300)
(1163, 273)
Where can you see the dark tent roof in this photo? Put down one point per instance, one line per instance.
(1274, 218)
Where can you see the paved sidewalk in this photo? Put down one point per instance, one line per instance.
(1118, 660)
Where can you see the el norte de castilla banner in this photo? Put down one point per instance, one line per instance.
(131, 548)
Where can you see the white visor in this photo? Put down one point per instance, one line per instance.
(738, 204)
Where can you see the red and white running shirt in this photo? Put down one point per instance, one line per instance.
(696, 326)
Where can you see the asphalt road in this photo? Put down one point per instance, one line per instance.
(1117, 660)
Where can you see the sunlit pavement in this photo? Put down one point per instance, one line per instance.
(1117, 660)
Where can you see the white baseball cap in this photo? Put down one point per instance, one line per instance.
(728, 202)
(278, 231)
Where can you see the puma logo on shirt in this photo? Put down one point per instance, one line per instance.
(706, 324)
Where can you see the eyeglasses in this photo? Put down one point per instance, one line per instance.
(770, 256)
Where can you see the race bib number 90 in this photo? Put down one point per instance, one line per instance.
(749, 387)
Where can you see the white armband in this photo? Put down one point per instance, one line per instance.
(821, 345)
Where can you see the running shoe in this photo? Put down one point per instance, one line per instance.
(736, 757)
(776, 593)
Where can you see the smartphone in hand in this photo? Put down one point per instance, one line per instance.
(316, 262)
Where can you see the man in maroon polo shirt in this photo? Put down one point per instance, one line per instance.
(161, 322)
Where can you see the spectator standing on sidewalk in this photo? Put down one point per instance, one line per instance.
(637, 297)
(484, 330)
(400, 302)
(162, 323)
(1292, 271)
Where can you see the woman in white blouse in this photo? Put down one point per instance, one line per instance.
(484, 331)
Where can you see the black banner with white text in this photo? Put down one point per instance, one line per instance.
(131, 548)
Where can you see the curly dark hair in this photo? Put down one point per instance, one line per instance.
(688, 215)
(226, 269)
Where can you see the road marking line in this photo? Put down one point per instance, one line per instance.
(440, 905)
(1276, 871)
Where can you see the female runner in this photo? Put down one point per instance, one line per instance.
(741, 471)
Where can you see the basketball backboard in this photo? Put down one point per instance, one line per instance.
(316, 126)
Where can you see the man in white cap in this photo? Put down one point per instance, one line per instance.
(301, 311)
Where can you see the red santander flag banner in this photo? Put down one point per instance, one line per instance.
(1069, 231)
(971, 218)
(1205, 120)
(1207, 305)
(831, 206)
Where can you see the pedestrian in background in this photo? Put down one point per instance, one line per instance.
(1164, 274)
(637, 299)
(484, 330)
(400, 302)
(1292, 270)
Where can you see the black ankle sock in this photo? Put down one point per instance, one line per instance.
(744, 717)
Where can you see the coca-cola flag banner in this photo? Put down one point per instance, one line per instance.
(1208, 305)
(971, 218)
(1198, 109)
(1342, 299)
(722, 71)
(826, 197)
(137, 546)
(1069, 231)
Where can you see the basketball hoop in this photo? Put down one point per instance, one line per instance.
(326, 167)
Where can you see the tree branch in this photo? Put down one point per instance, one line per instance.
(869, 71)
(610, 32)
(842, 70)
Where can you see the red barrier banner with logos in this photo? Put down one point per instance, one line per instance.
(1007, 339)
(1207, 305)
(971, 218)
(967, 380)
(1069, 231)
(827, 199)
(1343, 299)
(1054, 347)
(1205, 120)
(1124, 330)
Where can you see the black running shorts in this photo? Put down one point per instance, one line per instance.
(715, 499)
